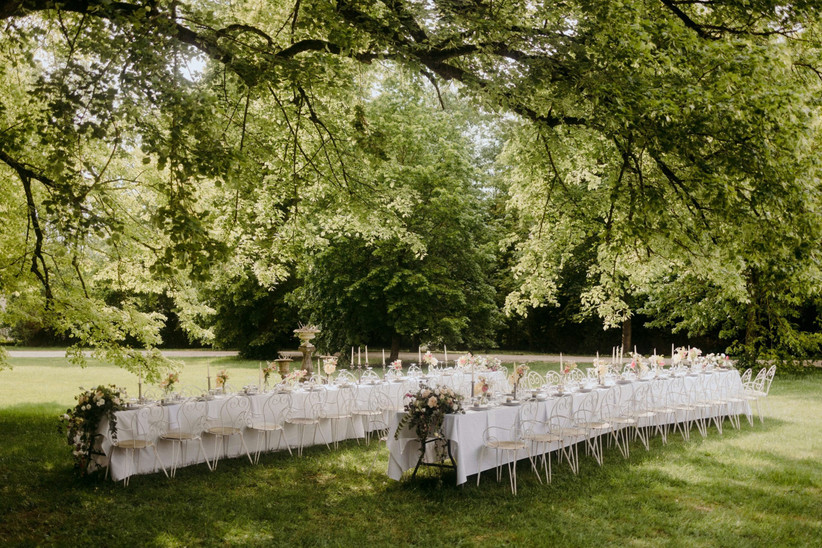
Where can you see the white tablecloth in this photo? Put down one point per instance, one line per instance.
(465, 430)
(120, 464)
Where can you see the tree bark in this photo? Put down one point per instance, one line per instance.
(396, 340)
(626, 336)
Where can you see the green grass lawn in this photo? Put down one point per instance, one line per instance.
(761, 486)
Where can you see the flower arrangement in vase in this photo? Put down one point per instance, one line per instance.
(516, 375)
(482, 388)
(222, 378)
(168, 383)
(429, 360)
(329, 366)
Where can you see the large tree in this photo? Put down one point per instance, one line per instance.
(125, 169)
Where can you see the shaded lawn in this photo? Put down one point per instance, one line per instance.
(761, 486)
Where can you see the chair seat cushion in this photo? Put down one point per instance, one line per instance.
(513, 445)
(178, 436)
(223, 430)
(133, 444)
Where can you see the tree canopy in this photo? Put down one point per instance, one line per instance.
(178, 148)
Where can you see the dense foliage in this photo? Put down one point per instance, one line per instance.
(663, 152)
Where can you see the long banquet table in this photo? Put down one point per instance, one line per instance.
(465, 431)
(121, 465)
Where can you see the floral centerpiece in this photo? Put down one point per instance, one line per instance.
(482, 388)
(82, 422)
(295, 376)
(222, 378)
(601, 367)
(168, 383)
(516, 375)
(396, 366)
(426, 411)
(271, 374)
(429, 359)
(329, 366)
(478, 363)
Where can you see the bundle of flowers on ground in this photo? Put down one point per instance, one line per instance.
(82, 422)
(427, 409)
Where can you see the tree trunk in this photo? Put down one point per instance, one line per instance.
(396, 340)
(626, 336)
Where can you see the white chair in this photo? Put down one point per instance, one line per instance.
(533, 380)
(561, 423)
(707, 404)
(369, 406)
(552, 378)
(414, 371)
(271, 419)
(680, 400)
(641, 410)
(369, 376)
(137, 432)
(231, 421)
(307, 413)
(345, 377)
(588, 418)
(664, 414)
(617, 410)
(538, 434)
(758, 391)
(189, 426)
(337, 409)
(506, 443)
(734, 396)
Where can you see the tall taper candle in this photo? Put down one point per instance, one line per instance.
(352, 356)
(419, 356)
(260, 385)
(359, 355)
(383, 358)
(444, 347)
(366, 355)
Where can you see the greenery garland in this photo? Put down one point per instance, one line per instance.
(82, 423)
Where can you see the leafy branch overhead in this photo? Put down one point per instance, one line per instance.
(178, 148)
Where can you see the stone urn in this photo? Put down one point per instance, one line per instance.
(305, 334)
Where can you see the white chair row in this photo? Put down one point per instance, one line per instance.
(145, 428)
(623, 412)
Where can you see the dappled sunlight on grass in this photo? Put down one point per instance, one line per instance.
(757, 486)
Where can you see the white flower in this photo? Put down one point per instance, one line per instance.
(432, 402)
(101, 402)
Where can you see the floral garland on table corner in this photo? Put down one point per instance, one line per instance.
(80, 424)
(427, 409)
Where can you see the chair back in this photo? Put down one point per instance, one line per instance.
(191, 417)
(533, 380)
(234, 412)
(275, 409)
